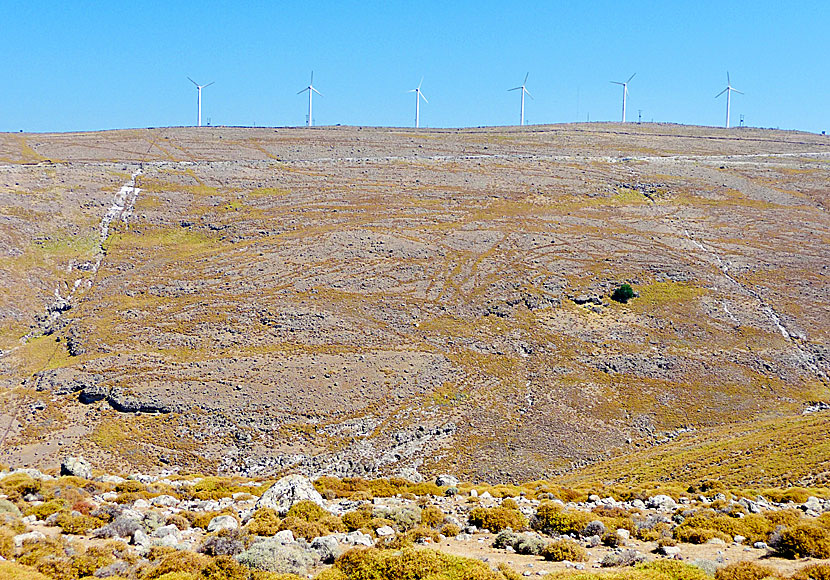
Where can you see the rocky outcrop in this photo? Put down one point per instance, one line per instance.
(288, 491)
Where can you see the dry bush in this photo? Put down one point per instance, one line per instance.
(308, 511)
(178, 561)
(564, 549)
(553, 518)
(804, 540)
(272, 556)
(432, 517)
(496, 519)
(744, 571)
(374, 564)
(301, 528)
(16, 485)
(813, 572)
(450, 530)
(264, 522)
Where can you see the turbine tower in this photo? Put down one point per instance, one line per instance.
(524, 90)
(310, 88)
(728, 90)
(625, 92)
(199, 89)
(418, 96)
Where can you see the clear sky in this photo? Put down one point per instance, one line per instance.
(73, 65)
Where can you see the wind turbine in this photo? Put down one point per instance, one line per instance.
(728, 90)
(625, 92)
(199, 88)
(418, 96)
(524, 90)
(310, 88)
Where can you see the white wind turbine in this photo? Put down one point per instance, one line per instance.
(418, 96)
(728, 90)
(310, 88)
(199, 89)
(625, 92)
(524, 90)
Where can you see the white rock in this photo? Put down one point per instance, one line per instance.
(140, 538)
(662, 503)
(385, 531)
(141, 504)
(109, 496)
(284, 537)
(112, 479)
(164, 501)
(446, 480)
(288, 491)
(225, 522)
(473, 493)
(28, 537)
(76, 466)
(485, 495)
(169, 530)
(623, 534)
(357, 538)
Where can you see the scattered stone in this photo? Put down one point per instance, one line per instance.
(327, 547)
(385, 531)
(445, 480)
(284, 537)
(20, 539)
(662, 503)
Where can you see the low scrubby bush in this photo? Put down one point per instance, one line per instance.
(273, 556)
(405, 518)
(264, 522)
(804, 540)
(744, 571)
(564, 549)
(496, 519)
(307, 510)
(553, 518)
(450, 530)
(374, 564)
(432, 517)
(813, 572)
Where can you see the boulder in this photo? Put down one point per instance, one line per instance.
(20, 539)
(357, 538)
(327, 547)
(446, 480)
(169, 530)
(76, 466)
(662, 503)
(288, 491)
(284, 537)
(385, 531)
(223, 522)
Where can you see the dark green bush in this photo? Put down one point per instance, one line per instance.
(623, 294)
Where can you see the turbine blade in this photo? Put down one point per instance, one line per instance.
(422, 82)
(312, 78)
(737, 91)
(525, 81)
(316, 91)
(720, 93)
(207, 85)
(616, 83)
(515, 88)
(420, 94)
(728, 82)
(528, 94)
(192, 81)
(631, 77)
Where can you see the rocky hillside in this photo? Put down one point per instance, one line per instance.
(364, 301)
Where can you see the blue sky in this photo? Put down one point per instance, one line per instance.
(75, 65)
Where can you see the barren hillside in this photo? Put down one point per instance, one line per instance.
(358, 301)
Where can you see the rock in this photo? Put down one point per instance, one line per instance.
(473, 492)
(169, 540)
(116, 569)
(670, 551)
(288, 491)
(225, 523)
(76, 466)
(327, 547)
(33, 473)
(760, 546)
(140, 538)
(716, 542)
(357, 538)
(811, 505)
(164, 501)
(639, 504)
(385, 531)
(662, 503)
(284, 537)
(593, 497)
(141, 504)
(462, 537)
(485, 495)
(164, 531)
(411, 474)
(738, 539)
(623, 534)
(446, 480)
(20, 539)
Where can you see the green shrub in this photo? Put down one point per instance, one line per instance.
(78, 524)
(7, 507)
(46, 509)
(674, 570)
(623, 293)
(496, 519)
(564, 549)
(804, 540)
(450, 530)
(356, 519)
(405, 518)
(744, 571)
(551, 517)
